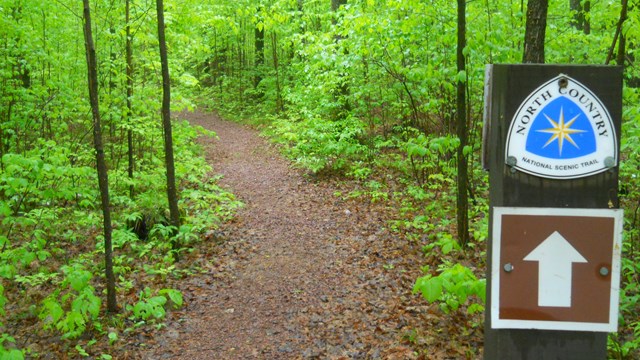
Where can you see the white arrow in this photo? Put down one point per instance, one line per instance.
(555, 256)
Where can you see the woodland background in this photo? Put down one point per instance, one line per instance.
(384, 92)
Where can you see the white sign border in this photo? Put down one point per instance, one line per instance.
(518, 151)
(496, 271)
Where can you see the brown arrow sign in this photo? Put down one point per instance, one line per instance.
(556, 268)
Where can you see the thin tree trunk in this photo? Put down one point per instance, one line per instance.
(535, 31)
(259, 50)
(335, 5)
(129, 74)
(621, 20)
(103, 179)
(622, 44)
(172, 193)
(581, 18)
(461, 127)
(274, 51)
(343, 78)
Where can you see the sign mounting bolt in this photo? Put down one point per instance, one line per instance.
(563, 82)
(609, 162)
(508, 267)
(604, 271)
(512, 161)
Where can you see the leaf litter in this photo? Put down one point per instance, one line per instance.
(301, 273)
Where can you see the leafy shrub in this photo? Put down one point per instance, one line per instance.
(317, 144)
(626, 343)
(153, 307)
(9, 353)
(71, 311)
(428, 156)
(452, 288)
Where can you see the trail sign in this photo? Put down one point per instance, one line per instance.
(562, 131)
(551, 141)
(556, 257)
(556, 268)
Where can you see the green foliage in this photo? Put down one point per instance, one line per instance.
(626, 343)
(452, 287)
(429, 157)
(48, 217)
(369, 90)
(73, 308)
(152, 308)
(321, 144)
(9, 354)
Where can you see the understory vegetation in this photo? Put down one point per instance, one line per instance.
(364, 89)
(52, 282)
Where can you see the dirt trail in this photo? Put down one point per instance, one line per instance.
(300, 273)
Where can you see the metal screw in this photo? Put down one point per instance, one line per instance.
(512, 161)
(609, 162)
(604, 271)
(563, 82)
(508, 267)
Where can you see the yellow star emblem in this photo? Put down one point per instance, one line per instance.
(561, 131)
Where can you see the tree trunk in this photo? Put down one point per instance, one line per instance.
(618, 33)
(461, 128)
(535, 31)
(335, 4)
(274, 53)
(343, 78)
(172, 193)
(129, 74)
(103, 179)
(580, 18)
(259, 50)
(622, 44)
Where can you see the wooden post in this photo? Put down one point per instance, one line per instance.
(508, 87)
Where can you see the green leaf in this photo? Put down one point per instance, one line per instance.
(79, 279)
(113, 337)
(474, 309)
(462, 76)
(468, 149)
(52, 311)
(73, 325)
(430, 287)
(174, 295)
(13, 354)
(81, 351)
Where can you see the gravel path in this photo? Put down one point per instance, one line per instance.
(300, 274)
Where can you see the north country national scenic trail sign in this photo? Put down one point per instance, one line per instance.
(556, 268)
(551, 145)
(562, 131)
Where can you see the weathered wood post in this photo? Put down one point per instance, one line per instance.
(551, 148)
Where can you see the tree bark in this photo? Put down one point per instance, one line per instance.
(580, 18)
(335, 5)
(129, 74)
(343, 85)
(259, 50)
(274, 53)
(103, 178)
(172, 194)
(461, 128)
(618, 33)
(535, 30)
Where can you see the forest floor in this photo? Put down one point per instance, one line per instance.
(301, 272)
